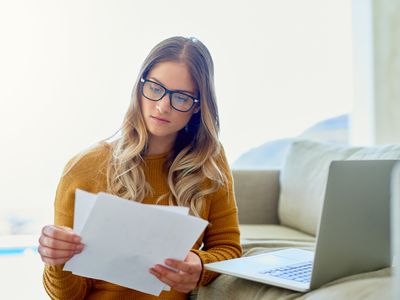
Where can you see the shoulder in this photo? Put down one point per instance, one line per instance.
(223, 174)
(86, 171)
(89, 162)
(222, 201)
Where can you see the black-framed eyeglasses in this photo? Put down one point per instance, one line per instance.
(155, 91)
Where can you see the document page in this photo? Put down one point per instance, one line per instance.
(123, 239)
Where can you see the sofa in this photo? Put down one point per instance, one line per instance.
(281, 208)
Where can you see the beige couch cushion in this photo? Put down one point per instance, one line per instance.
(377, 152)
(304, 175)
(303, 180)
(256, 232)
(257, 194)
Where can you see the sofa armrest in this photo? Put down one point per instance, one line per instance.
(257, 195)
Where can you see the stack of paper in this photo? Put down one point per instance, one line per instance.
(124, 239)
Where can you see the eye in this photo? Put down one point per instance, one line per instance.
(156, 89)
(181, 98)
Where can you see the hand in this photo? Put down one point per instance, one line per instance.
(187, 276)
(58, 244)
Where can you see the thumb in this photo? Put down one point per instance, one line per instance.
(188, 256)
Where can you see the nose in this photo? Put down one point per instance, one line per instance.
(163, 105)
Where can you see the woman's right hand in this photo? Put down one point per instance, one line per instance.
(58, 244)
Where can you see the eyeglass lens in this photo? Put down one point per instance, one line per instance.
(155, 92)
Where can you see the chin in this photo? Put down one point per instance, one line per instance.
(162, 133)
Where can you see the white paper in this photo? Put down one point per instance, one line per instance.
(124, 239)
(84, 203)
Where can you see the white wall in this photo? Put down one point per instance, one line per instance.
(376, 51)
(67, 69)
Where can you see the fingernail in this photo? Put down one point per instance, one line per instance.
(79, 247)
(77, 239)
(168, 261)
(152, 271)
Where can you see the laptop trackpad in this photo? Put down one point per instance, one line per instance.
(270, 260)
(282, 257)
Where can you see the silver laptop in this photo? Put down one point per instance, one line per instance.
(395, 210)
(353, 235)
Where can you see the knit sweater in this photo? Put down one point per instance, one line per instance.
(220, 239)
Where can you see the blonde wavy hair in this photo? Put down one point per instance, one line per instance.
(194, 156)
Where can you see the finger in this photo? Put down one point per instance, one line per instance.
(61, 233)
(54, 262)
(53, 253)
(176, 277)
(58, 244)
(171, 283)
(183, 266)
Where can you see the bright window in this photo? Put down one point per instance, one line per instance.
(68, 68)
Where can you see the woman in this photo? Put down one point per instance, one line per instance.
(168, 154)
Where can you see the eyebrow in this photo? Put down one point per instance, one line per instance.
(184, 91)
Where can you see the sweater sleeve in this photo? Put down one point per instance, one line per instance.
(61, 284)
(222, 237)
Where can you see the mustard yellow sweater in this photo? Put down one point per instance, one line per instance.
(221, 238)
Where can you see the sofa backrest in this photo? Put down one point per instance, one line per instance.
(257, 194)
(304, 175)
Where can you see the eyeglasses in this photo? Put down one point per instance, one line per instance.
(178, 100)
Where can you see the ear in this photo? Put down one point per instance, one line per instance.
(196, 109)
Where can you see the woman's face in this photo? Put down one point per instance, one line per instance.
(161, 119)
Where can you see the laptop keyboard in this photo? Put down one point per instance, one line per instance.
(298, 272)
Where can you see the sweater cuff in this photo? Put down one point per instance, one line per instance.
(206, 276)
(61, 284)
(56, 271)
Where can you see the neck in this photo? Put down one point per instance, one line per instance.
(159, 145)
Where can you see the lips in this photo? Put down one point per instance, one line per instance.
(160, 119)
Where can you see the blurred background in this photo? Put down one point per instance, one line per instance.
(284, 69)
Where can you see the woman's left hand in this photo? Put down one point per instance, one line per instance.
(187, 276)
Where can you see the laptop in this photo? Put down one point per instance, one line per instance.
(353, 234)
(395, 209)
